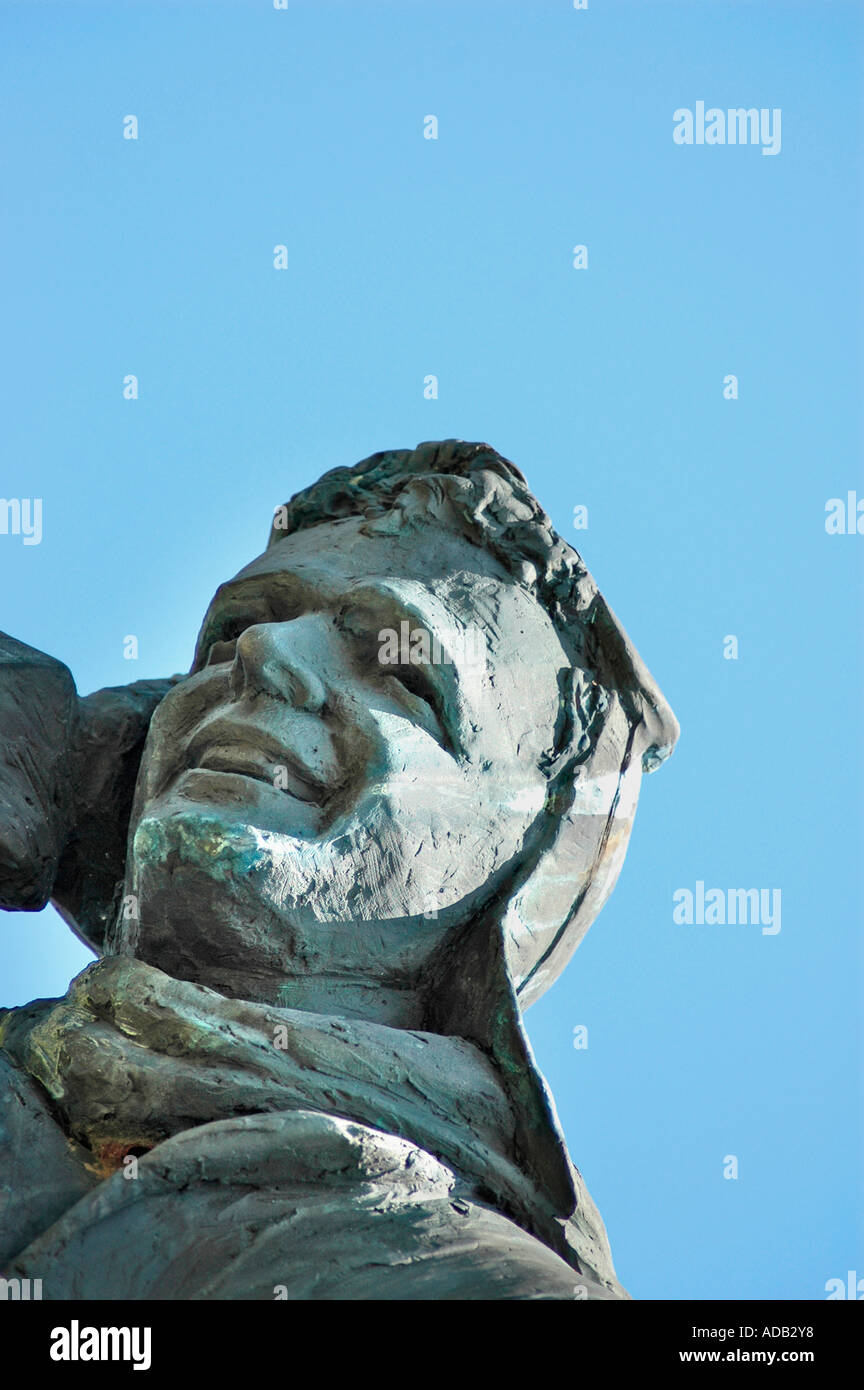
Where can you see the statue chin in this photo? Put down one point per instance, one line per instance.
(262, 916)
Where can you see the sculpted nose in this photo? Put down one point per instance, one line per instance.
(268, 659)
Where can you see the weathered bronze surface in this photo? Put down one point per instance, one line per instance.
(324, 872)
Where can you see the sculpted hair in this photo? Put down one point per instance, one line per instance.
(488, 498)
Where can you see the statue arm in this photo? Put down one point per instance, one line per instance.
(67, 773)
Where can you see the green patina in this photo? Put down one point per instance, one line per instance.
(203, 840)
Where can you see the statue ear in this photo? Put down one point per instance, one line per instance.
(113, 726)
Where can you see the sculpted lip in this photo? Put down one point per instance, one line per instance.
(222, 748)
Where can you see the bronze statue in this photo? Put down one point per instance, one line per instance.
(324, 872)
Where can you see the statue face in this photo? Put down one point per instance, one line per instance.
(348, 773)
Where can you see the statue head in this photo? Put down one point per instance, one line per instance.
(412, 714)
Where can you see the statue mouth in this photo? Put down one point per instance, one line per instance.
(221, 748)
(239, 763)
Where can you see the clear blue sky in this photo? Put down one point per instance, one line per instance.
(706, 516)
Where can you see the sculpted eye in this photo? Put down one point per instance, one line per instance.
(416, 683)
(230, 616)
(418, 699)
(221, 651)
(382, 651)
(223, 647)
(423, 700)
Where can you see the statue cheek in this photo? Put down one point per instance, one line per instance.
(445, 833)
